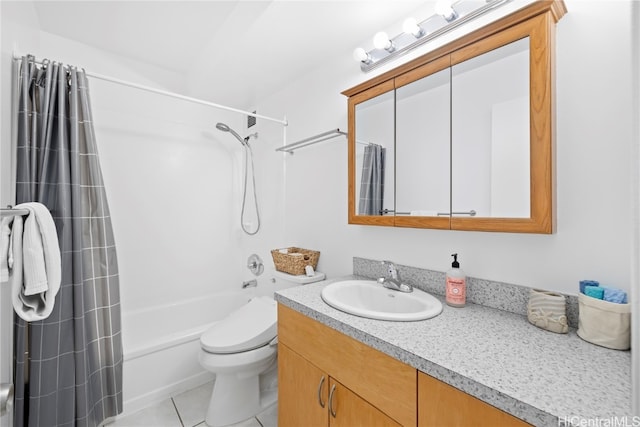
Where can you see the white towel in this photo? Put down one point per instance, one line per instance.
(5, 236)
(37, 266)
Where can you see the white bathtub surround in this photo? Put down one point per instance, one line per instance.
(161, 346)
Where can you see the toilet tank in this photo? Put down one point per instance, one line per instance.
(286, 280)
(277, 281)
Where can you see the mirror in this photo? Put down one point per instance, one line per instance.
(423, 134)
(490, 133)
(422, 153)
(374, 155)
(471, 128)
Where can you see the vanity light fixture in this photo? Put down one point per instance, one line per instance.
(359, 54)
(449, 15)
(444, 9)
(410, 26)
(381, 41)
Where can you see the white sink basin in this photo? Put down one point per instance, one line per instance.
(367, 298)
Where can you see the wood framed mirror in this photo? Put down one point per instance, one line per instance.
(469, 134)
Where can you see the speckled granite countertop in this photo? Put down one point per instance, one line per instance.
(543, 378)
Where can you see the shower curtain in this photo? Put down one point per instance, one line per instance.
(372, 181)
(68, 366)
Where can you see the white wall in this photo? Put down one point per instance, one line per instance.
(635, 201)
(173, 181)
(593, 150)
(168, 171)
(197, 171)
(592, 158)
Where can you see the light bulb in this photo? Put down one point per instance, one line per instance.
(410, 26)
(359, 54)
(443, 7)
(381, 41)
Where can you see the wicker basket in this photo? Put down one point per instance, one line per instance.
(295, 260)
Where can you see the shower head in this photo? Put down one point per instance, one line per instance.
(225, 128)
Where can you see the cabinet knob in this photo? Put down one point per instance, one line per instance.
(320, 392)
(331, 410)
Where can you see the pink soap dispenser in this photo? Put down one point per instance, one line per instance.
(456, 284)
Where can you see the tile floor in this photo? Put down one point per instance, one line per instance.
(188, 410)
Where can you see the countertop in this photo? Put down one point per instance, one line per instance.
(544, 378)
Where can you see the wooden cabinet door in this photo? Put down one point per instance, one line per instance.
(384, 382)
(301, 391)
(440, 404)
(352, 411)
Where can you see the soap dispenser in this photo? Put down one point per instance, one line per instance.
(456, 284)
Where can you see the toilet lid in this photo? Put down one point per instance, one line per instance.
(251, 326)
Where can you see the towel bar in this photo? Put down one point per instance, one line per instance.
(290, 148)
(10, 211)
(470, 213)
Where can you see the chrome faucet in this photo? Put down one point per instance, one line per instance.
(393, 281)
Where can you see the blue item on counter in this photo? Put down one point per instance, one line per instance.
(614, 295)
(594, 291)
(584, 283)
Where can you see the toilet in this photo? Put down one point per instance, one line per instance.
(241, 350)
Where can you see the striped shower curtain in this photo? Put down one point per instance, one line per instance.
(68, 366)
(372, 181)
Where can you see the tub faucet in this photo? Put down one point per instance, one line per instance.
(393, 281)
(250, 284)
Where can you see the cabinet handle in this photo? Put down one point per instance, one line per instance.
(320, 392)
(331, 410)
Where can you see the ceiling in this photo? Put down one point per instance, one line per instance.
(232, 52)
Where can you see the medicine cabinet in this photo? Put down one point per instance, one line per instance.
(462, 137)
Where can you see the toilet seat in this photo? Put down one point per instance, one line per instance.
(251, 326)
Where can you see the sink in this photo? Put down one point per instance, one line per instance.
(368, 298)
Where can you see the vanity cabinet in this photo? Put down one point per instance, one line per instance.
(302, 391)
(468, 131)
(322, 372)
(369, 387)
(443, 405)
(311, 397)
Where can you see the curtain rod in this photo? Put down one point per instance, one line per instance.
(170, 94)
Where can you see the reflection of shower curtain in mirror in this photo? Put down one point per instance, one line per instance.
(68, 366)
(372, 181)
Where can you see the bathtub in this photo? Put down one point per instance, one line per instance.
(160, 346)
